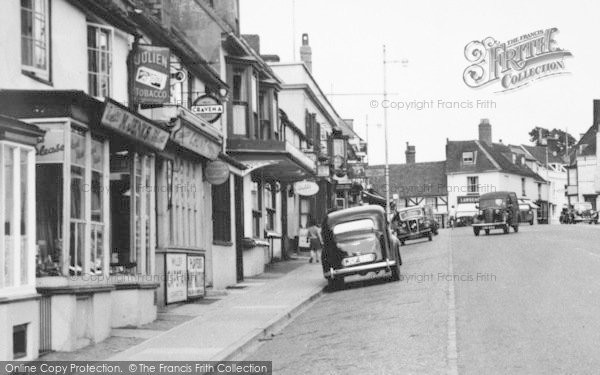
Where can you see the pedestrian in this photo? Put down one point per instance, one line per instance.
(314, 236)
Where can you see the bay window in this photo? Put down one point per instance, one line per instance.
(35, 38)
(71, 216)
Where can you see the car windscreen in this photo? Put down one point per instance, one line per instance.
(410, 214)
(492, 203)
(524, 207)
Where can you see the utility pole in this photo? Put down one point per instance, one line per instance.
(294, 30)
(385, 131)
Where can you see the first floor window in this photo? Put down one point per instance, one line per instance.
(221, 212)
(432, 202)
(99, 41)
(35, 38)
(472, 184)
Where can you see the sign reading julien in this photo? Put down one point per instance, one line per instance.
(514, 63)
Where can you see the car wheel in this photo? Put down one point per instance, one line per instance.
(476, 231)
(430, 237)
(396, 269)
(487, 231)
(401, 242)
(506, 229)
(335, 284)
(516, 228)
(531, 222)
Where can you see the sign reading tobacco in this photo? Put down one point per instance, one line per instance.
(129, 124)
(151, 75)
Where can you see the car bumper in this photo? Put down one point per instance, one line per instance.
(369, 267)
(414, 236)
(489, 225)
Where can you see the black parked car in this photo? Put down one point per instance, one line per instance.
(497, 210)
(358, 240)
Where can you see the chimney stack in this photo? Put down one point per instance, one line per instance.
(410, 153)
(596, 111)
(253, 41)
(485, 131)
(306, 52)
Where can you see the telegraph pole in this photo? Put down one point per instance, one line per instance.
(385, 130)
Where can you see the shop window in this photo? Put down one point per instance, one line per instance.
(185, 180)
(255, 192)
(16, 208)
(304, 211)
(132, 203)
(99, 40)
(35, 38)
(19, 341)
(79, 248)
(270, 206)
(221, 211)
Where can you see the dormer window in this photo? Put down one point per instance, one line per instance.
(468, 157)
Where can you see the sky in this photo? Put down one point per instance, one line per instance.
(347, 38)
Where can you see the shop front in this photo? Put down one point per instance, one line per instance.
(184, 206)
(19, 301)
(95, 217)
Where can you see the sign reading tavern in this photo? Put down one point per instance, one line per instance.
(129, 124)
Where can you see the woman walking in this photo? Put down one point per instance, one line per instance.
(314, 235)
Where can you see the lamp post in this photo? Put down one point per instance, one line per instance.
(404, 62)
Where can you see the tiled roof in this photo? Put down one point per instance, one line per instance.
(411, 180)
(489, 157)
(539, 153)
(586, 145)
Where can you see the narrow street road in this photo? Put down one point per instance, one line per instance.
(520, 303)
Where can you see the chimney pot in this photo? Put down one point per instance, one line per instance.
(410, 154)
(485, 131)
(306, 52)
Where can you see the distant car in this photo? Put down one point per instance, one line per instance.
(463, 219)
(411, 223)
(358, 240)
(526, 214)
(428, 212)
(497, 210)
(583, 213)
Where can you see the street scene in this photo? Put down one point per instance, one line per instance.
(299, 187)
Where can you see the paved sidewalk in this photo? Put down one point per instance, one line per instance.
(222, 326)
(252, 311)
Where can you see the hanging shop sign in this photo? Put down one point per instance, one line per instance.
(196, 142)
(176, 275)
(306, 188)
(216, 172)
(467, 199)
(208, 108)
(357, 170)
(323, 170)
(127, 123)
(151, 75)
(195, 278)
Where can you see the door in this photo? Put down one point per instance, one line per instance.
(239, 227)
